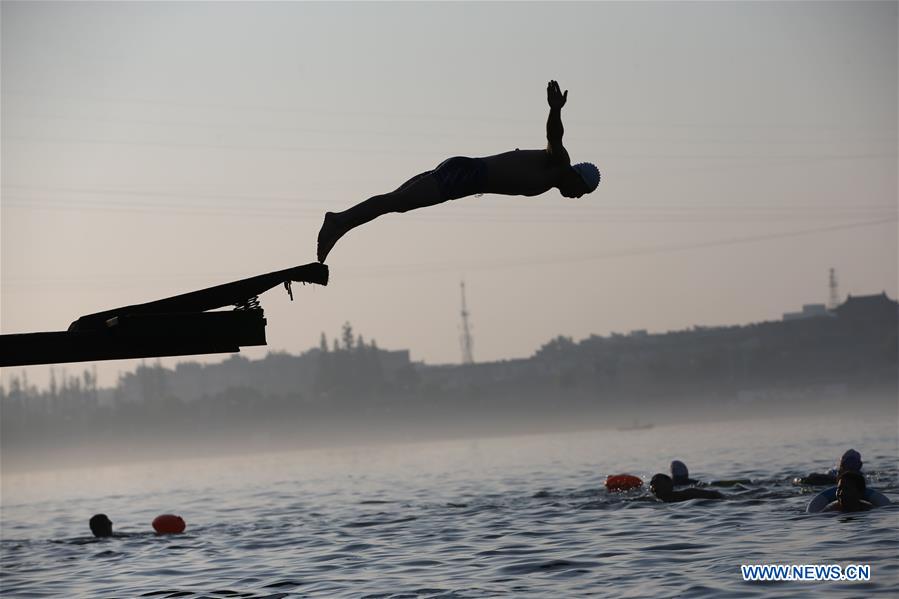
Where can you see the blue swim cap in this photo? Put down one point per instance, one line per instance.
(589, 173)
(679, 470)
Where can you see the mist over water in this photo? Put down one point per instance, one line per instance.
(353, 392)
(523, 515)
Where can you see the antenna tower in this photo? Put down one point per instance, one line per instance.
(834, 291)
(466, 341)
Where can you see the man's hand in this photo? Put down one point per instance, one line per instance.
(554, 95)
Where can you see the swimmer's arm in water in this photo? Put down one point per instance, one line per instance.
(694, 493)
(114, 535)
(835, 507)
(558, 155)
(876, 498)
(730, 483)
(680, 482)
(816, 479)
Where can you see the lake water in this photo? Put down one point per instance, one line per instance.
(516, 516)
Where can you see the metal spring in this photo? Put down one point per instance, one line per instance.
(249, 304)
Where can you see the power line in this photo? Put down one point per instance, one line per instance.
(765, 158)
(207, 146)
(532, 205)
(632, 252)
(217, 196)
(476, 216)
(406, 115)
(282, 128)
(381, 271)
(269, 108)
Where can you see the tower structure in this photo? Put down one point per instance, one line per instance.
(834, 291)
(466, 340)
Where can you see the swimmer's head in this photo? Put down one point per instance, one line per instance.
(850, 491)
(589, 174)
(101, 526)
(851, 461)
(679, 471)
(661, 485)
(579, 179)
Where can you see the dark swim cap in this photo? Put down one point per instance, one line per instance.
(851, 461)
(100, 525)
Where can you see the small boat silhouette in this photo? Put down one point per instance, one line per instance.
(636, 426)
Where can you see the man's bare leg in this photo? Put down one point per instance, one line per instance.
(418, 192)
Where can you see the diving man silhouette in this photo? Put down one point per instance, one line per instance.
(518, 172)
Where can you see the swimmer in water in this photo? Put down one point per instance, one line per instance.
(680, 475)
(850, 494)
(849, 469)
(851, 461)
(101, 526)
(662, 487)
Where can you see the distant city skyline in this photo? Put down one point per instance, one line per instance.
(338, 339)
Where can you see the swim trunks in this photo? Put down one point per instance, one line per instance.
(460, 176)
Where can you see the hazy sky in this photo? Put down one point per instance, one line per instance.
(150, 149)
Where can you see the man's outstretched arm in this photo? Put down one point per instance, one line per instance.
(554, 129)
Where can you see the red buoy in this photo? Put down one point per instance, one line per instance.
(168, 524)
(623, 482)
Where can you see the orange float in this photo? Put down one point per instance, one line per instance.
(623, 482)
(168, 524)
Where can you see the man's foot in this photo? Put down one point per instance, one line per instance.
(332, 230)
